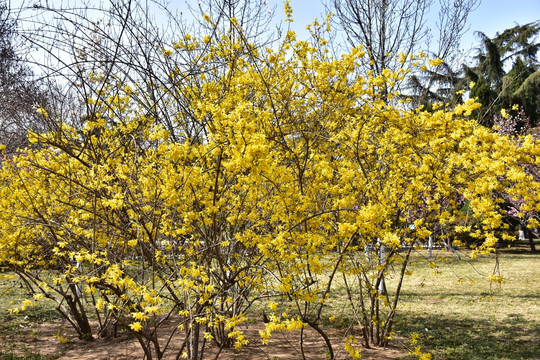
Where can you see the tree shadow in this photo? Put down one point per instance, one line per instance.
(454, 338)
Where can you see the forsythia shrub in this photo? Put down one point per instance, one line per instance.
(302, 171)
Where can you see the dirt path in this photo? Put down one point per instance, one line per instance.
(48, 340)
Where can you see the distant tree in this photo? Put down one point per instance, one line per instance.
(495, 87)
(515, 126)
(441, 84)
(19, 93)
(387, 28)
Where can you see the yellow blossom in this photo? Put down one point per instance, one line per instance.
(436, 62)
(136, 326)
(41, 111)
(139, 316)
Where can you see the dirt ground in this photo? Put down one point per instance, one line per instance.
(48, 340)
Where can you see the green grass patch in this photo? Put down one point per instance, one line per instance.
(27, 356)
(460, 314)
(13, 326)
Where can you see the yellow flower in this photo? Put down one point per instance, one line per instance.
(151, 310)
(351, 347)
(136, 326)
(496, 278)
(99, 304)
(41, 111)
(139, 316)
(436, 62)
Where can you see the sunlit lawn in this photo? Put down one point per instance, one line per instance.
(461, 315)
(458, 312)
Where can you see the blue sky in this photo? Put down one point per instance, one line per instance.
(491, 16)
(497, 15)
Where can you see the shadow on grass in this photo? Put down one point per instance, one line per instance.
(455, 339)
(521, 250)
(520, 247)
(464, 295)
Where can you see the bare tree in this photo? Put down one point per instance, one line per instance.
(125, 42)
(19, 91)
(384, 27)
(388, 28)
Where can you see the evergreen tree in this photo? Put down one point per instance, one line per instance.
(499, 89)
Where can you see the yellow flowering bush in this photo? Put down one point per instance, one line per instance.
(286, 170)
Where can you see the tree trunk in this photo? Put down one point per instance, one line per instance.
(531, 240)
(382, 259)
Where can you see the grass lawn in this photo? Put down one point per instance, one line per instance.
(457, 312)
(13, 327)
(461, 315)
